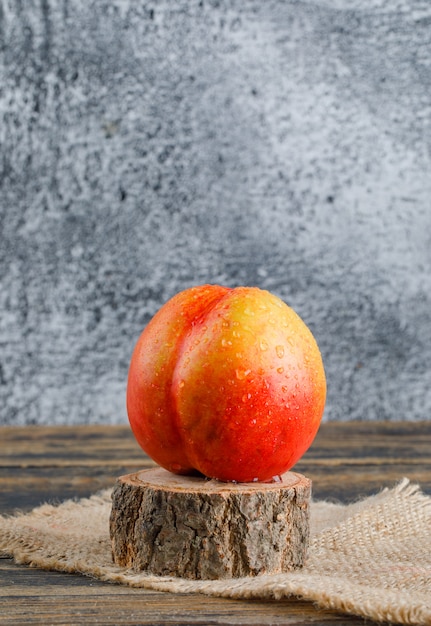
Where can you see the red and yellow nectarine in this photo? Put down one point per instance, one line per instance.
(226, 382)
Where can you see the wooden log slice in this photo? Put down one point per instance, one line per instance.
(195, 528)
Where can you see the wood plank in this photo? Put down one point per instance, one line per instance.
(31, 446)
(29, 596)
(350, 440)
(44, 445)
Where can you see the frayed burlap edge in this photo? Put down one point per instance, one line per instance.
(371, 558)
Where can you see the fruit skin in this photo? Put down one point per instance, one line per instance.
(228, 382)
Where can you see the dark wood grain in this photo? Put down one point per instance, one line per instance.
(39, 464)
(37, 597)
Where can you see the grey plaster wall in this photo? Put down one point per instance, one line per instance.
(150, 146)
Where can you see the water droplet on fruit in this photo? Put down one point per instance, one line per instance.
(249, 312)
(181, 384)
(280, 351)
(241, 374)
(263, 345)
(246, 397)
(280, 370)
(225, 343)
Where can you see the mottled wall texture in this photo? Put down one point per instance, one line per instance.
(148, 146)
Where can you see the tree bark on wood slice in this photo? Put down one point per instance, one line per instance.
(195, 528)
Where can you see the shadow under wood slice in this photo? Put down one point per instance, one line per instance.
(195, 528)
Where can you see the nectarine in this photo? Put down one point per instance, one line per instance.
(226, 382)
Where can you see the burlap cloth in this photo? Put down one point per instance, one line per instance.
(371, 558)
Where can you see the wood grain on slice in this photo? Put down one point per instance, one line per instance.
(205, 529)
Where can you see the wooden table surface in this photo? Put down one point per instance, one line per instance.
(49, 464)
